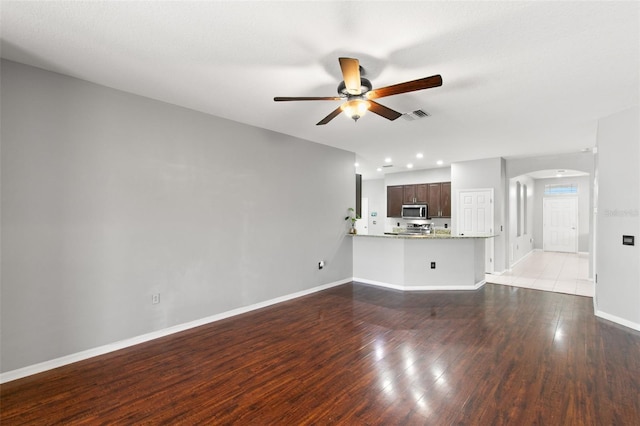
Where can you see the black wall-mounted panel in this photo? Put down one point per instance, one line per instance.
(628, 240)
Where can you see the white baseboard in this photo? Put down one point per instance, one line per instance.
(522, 258)
(618, 320)
(420, 288)
(111, 347)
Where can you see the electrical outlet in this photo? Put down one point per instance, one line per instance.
(155, 299)
(433, 265)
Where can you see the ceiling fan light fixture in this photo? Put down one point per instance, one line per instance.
(355, 108)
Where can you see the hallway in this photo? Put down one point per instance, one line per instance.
(550, 271)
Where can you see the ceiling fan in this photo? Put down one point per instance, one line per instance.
(359, 97)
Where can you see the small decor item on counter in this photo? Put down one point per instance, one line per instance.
(353, 217)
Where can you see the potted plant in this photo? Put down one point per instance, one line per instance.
(352, 217)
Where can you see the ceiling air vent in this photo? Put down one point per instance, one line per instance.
(388, 165)
(410, 116)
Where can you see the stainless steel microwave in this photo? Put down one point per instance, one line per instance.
(414, 211)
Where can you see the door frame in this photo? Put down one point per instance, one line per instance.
(576, 221)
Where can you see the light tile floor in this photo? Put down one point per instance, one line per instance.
(550, 271)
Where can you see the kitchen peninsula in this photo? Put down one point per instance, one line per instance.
(419, 262)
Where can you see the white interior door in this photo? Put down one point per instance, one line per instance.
(475, 218)
(362, 224)
(560, 224)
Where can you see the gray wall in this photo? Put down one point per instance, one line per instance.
(440, 174)
(578, 161)
(520, 246)
(481, 174)
(108, 197)
(617, 294)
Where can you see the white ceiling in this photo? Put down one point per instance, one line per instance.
(520, 78)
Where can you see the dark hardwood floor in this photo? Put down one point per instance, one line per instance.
(357, 355)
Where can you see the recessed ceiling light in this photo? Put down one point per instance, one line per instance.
(379, 169)
(356, 164)
(409, 166)
(419, 155)
(387, 160)
(439, 162)
(558, 175)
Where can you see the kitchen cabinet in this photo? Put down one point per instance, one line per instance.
(395, 197)
(422, 193)
(445, 200)
(439, 199)
(415, 194)
(436, 195)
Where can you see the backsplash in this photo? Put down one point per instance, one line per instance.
(438, 223)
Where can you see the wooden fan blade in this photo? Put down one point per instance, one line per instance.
(409, 86)
(307, 98)
(336, 112)
(351, 75)
(383, 111)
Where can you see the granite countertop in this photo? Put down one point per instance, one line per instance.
(436, 236)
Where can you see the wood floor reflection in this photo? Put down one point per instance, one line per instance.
(360, 355)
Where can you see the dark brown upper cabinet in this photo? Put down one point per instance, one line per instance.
(395, 200)
(445, 199)
(439, 199)
(415, 194)
(436, 195)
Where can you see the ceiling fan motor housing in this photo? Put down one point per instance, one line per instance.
(365, 86)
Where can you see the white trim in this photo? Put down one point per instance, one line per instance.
(420, 288)
(491, 253)
(111, 347)
(379, 284)
(618, 320)
(522, 258)
(577, 220)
